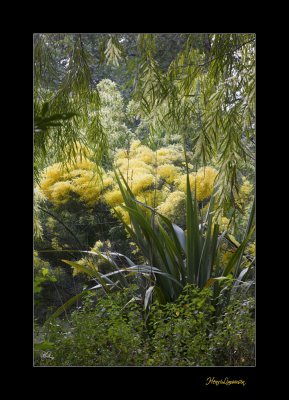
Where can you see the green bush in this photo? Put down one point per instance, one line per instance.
(113, 330)
(179, 330)
(107, 331)
(233, 340)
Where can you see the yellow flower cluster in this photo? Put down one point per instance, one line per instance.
(51, 223)
(144, 153)
(60, 192)
(203, 180)
(54, 244)
(81, 262)
(175, 200)
(169, 172)
(144, 170)
(113, 197)
(141, 183)
(94, 261)
(59, 183)
(170, 155)
(156, 178)
(245, 190)
(101, 246)
(124, 214)
(224, 222)
(51, 175)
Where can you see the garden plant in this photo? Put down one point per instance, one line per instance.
(144, 199)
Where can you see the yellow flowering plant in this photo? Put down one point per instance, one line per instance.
(77, 180)
(165, 253)
(158, 179)
(172, 257)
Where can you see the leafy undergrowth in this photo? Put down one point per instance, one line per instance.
(114, 330)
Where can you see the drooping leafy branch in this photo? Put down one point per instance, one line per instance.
(206, 93)
(66, 98)
(209, 92)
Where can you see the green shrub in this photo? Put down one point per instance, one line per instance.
(108, 332)
(113, 330)
(179, 330)
(233, 340)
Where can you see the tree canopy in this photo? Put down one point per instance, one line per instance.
(200, 87)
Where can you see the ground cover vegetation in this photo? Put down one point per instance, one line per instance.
(144, 199)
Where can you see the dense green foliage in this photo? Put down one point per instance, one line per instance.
(111, 331)
(144, 203)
